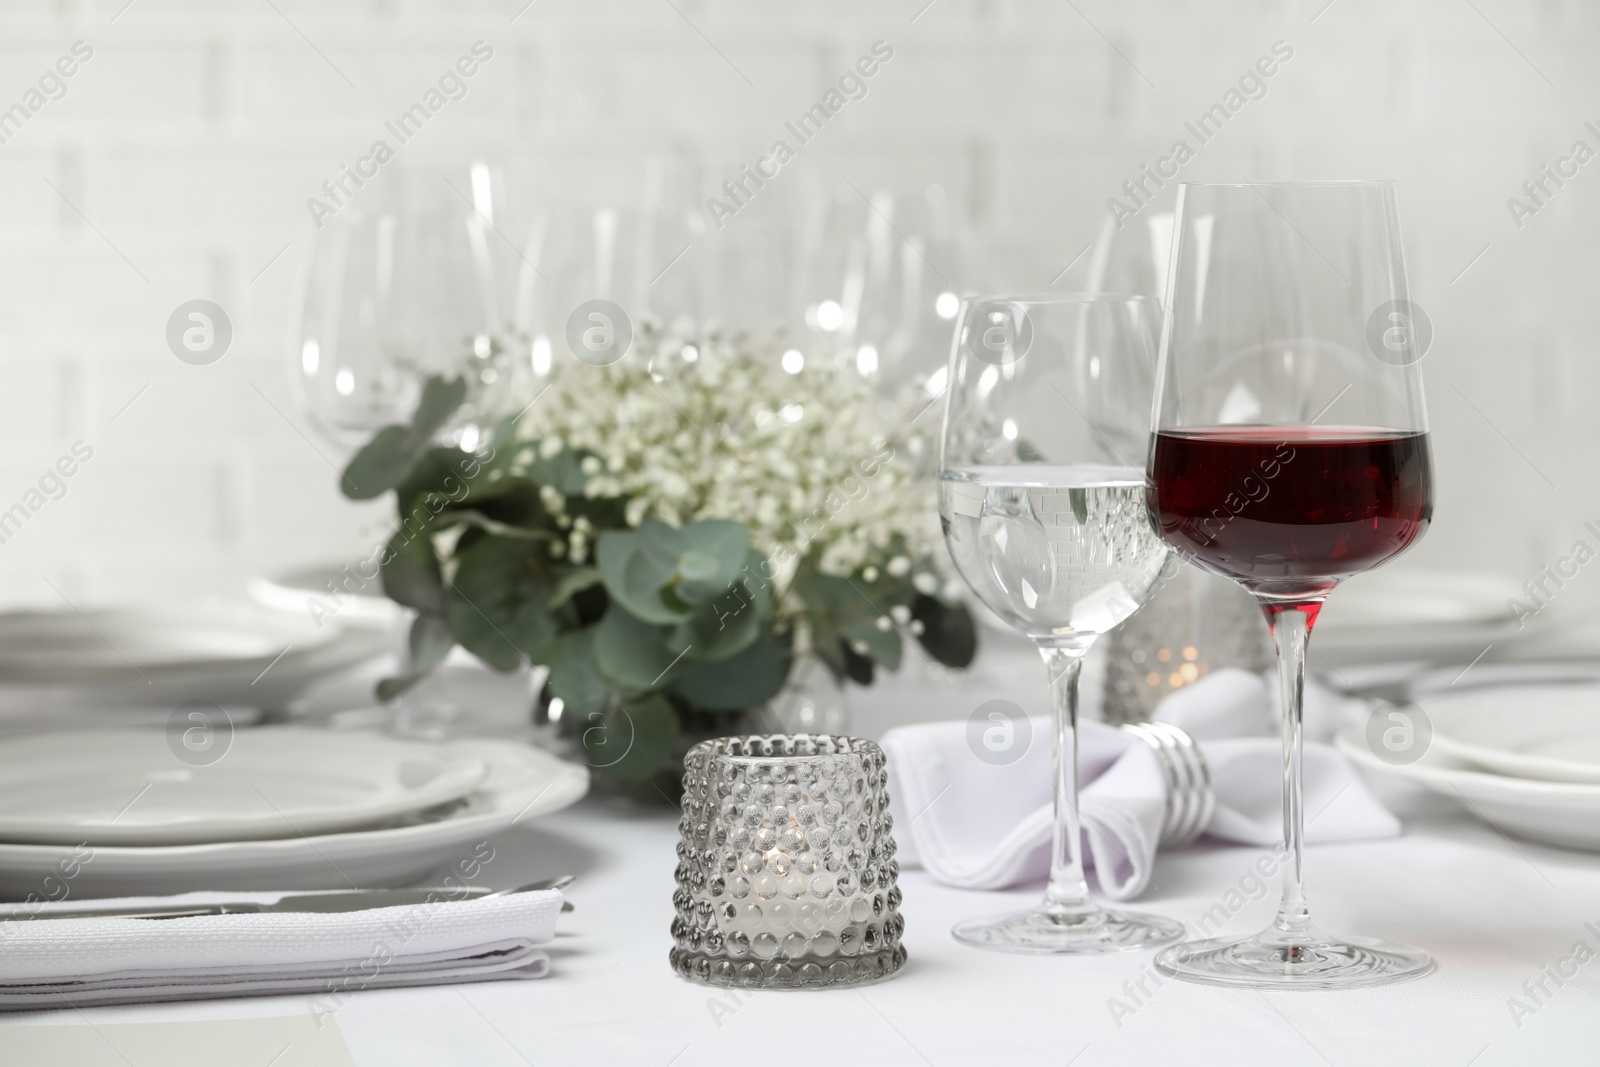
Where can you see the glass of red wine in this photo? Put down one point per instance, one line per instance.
(1290, 452)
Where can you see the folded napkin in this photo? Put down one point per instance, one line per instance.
(58, 963)
(975, 825)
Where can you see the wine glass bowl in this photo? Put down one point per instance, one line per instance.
(1353, 497)
(390, 293)
(1290, 451)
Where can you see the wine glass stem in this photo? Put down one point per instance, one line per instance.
(1067, 893)
(1291, 630)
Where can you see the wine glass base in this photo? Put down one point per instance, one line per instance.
(1045, 933)
(1270, 961)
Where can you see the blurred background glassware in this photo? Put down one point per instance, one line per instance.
(1194, 622)
(811, 702)
(840, 251)
(638, 251)
(1043, 511)
(786, 874)
(398, 286)
(879, 276)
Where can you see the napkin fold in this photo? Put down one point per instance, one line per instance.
(60, 963)
(976, 824)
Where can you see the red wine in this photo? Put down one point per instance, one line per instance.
(1290, 510)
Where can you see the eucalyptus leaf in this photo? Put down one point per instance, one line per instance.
(713, 554)
(632, 652)
(729, 623)
(498, 603)
(391, 454)
(882, 644)
(1078, 497)
(826, 594)
(380, 465)
(631, 740)
(697, 561)
(635, 579)
(411, 572)
(575, 676)
(389, 688)
(430, 642)
(948, 632)
(746, 680)
(663, 544)
(857, 668)
(438, 481)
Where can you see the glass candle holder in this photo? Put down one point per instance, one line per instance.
(786, 873)
(1193, 623)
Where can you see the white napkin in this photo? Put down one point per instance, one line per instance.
(77, 962)
(975, 825)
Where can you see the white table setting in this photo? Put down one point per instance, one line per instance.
(929, 677)
(610, 951)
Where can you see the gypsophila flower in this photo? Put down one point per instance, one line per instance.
(814, 462)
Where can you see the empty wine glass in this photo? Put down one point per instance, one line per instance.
(397, 287)
(1042, 503)
(1290, 452)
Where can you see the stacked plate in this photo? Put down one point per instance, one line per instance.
(231, 653)
(1417, 615)
(1522, 755)
(294, 590)
(134, 812)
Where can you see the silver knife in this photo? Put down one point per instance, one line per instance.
(356, 900)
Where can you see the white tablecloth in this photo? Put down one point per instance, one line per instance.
(1494, 913)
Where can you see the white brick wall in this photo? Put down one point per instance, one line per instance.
(192, 138)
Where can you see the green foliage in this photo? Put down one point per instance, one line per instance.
(498, 604)
(390, 456)
(632, 739)
(653, 635)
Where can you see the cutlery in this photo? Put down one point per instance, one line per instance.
(356, 900)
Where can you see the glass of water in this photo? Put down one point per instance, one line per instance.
(1041, 497)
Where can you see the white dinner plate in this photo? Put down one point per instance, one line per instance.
(523, 783)
(1418, 598)
(52, 647)
(1549, 732)
(1418, 614)
(360, 598)
(1557, 813)
(273, 682)
(149, 787)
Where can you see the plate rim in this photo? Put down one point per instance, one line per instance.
(453, 784)
(1511, 764)
(568, 783)
(234, 613)
(1456, 780)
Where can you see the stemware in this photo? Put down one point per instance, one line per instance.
(1195, 622)
(1290, 451)
(1042, 505)
(398, 286)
